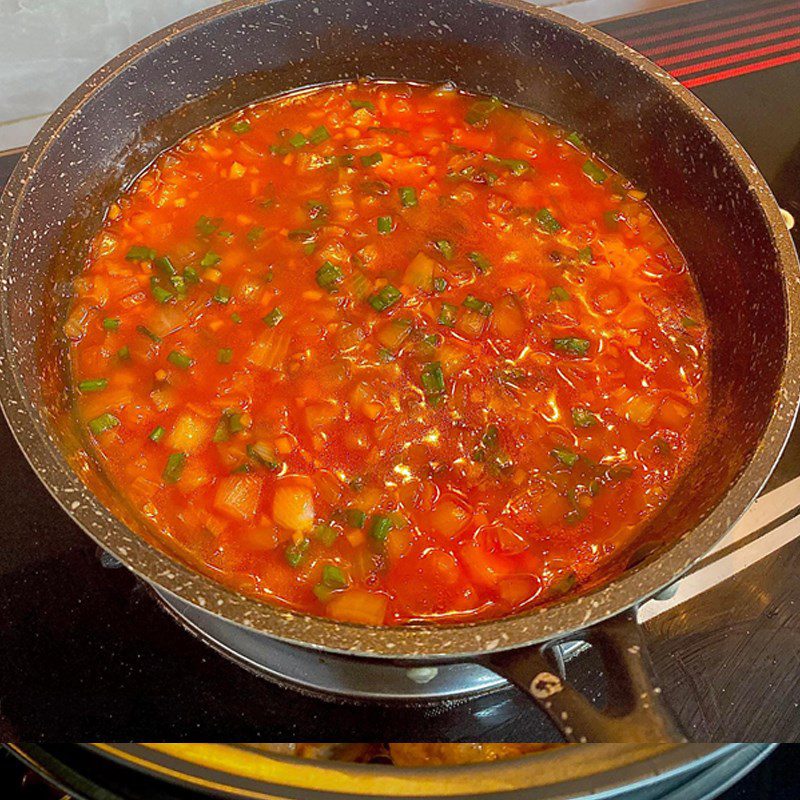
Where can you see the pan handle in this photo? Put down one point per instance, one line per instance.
(635, 711)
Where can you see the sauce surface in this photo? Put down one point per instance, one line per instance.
(389, 353)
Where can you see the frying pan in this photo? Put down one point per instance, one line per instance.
(705, 188)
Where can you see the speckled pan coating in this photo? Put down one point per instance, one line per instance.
(705, 187)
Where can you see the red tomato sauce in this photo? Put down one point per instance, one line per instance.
(389, 353)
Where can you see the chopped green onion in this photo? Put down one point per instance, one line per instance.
(611, 219)
(273, 318)
(301, 235)
(93, 385)
(446, 248)
(224, 355)
(223, 294)
(317, 210)
(558, 294)
(205, 226)
(297, 140)
(123, 354)
(583, 418)
(355, 517)
(371, 160)
(190, 275)
(547, 221)
(111, 324)
(515, 166)
(379, 527)
(439, 285)
(408, 196)
(235, 422)
(140, 253)
(594, 172)
(326, 534)
(575, 140)
(263, 454)
(319, 135)
(480, 262)
(585, 255)
(103, 423)
(385, 297)
(255, 233)
(571, 345)
(165, 265)
(329, 276)
(180, 360)
(432, 380)
(447, 315)
(333, 577)
(160, 295)
(385, 225)
(157, 434)
(565, 456)
(478, 113)
(236, 319)
(481, 306)
(241, 126)
(210, 259)
(148, 333)
(178, 283)
(322, 593)
(688, 322)
(357, 104)
(295, 553)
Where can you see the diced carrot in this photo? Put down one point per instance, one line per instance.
(508, 319)
(359, 606)
(471, 324)
(293, 506)
(189, 434)
(450, 516)
(237, 496)
(419, 272)
(641, 410)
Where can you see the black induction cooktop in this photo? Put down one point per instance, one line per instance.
(87, 652)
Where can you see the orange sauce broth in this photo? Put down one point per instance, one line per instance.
(388, 353)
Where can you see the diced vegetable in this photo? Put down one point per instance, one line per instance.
(547, 221)
(329, 276)
(385, 298)
(447, 315)
(445, 247)
(237, 496)
(273, 318)
(408, 196)
(180, 360)
(433, 384)
(140, 253)
(572, 345)
(371, 160)
(92, 385)
(594, 172)
(385, 225)
(174, 468)
(105, 422)
(380, 526)
(359, 606)
(224, 355)
(565, 456)
(480, 262)
(583, 418)
(293, 507)
(189, 434)
(157, 434)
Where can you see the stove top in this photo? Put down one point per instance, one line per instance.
(87, 651)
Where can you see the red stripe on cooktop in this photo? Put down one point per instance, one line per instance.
(717, 35)
(743, 70)
(725, 22)
(689, 13)
(732, 59)
(734, 45)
